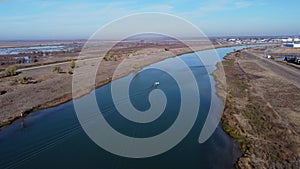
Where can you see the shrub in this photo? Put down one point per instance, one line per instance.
(10, 71)
(25, 80)
(56, 69)
(70, 71)
(107, 57)
(72, 64)
(115, 58)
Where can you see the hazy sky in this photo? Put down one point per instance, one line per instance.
(76, 19)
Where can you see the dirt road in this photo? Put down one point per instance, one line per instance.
(289, 73)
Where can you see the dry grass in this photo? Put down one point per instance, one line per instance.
(256, 114)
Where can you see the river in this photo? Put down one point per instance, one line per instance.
(53, 138)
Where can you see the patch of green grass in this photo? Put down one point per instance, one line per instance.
(235, 134)
(231, 131)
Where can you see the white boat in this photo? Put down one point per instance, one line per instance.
(156, 83)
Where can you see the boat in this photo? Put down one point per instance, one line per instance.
(156, 83)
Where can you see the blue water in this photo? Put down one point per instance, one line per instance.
(18, 50)
(53, 138)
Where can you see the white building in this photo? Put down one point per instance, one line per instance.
(292, 45)
(296, 45)
(288, 40)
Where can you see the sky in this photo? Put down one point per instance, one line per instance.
(79, 19)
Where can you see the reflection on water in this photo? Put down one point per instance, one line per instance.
(280, 59)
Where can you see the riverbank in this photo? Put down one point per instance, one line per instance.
(261, 109)
(54, 88)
